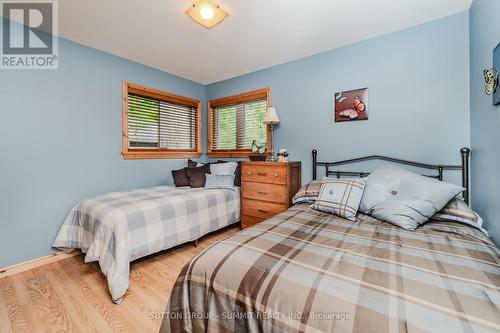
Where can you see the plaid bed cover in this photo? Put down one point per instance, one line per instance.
(306, 271)
(119, 227)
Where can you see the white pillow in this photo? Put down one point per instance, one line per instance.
(220, 181)
(404, 198)
(223, 168)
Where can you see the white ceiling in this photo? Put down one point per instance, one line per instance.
(257, 34)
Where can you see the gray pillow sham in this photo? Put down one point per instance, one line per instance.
(403, 198)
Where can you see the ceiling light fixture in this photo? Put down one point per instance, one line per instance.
(206, 13)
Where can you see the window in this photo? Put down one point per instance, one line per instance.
(234, 122)
(158, 124)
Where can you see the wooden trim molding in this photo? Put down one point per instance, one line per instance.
(135, 155)
(243, 97)
(235, 99)
(230, 153)
(160, 94)
(35, 263)
(130, 154)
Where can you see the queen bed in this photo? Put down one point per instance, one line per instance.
(117, 228)
(307, 271)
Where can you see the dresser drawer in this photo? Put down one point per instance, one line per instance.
(264, 174)
(265, 192)
(261, 209)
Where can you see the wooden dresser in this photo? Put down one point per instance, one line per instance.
(267, 188)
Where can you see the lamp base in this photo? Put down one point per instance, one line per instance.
(271, 157)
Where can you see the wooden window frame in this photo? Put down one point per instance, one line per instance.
(135, 154)
(235, 99)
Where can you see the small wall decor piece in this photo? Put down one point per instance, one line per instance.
(496, 64)
(351, 105)
(491, 79)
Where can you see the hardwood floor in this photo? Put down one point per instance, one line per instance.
(72, 296)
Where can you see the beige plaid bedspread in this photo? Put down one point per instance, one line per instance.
(306, 271)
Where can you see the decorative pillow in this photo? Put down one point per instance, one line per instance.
(457, 210)
(180, 177)
(403, 198)
(340, 197)
(223, 168)
(308, 192)
(220, 181)
(237, 173)
(197, 176)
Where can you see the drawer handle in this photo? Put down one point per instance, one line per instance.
(262, 174)
(263, 210)
(249, 173)
(276, 175)
(263, 192)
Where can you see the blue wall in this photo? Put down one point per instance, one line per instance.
(61, 142)
(485, 118)
(418, 83)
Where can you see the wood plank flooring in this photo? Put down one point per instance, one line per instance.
(72, 296)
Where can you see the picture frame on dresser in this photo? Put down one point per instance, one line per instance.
(267, 189)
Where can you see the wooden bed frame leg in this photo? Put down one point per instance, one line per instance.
(196, 243)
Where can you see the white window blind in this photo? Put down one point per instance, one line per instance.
(236, 126)
(157, 124)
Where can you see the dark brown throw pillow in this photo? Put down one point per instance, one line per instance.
(180, 177)
(197, 176)
(237, 173)
(192, 164)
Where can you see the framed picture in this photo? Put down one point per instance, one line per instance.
(496, 65)
(351, 105)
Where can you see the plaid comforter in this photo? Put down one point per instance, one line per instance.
(306, 271)
(119, 227)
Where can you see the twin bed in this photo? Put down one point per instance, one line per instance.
(117, 228)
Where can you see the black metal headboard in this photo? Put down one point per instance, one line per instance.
(465, 152)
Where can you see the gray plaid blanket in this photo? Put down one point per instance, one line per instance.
(306, 271)
(117, 228)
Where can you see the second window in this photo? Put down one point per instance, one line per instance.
(235, 122)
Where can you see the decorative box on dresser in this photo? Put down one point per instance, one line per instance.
(267, 189)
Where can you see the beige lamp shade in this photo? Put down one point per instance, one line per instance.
(271, 117)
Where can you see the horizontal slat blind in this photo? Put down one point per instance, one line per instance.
(236, 126)
(157, 124)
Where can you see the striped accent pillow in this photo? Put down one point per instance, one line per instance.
(457, 210)
(340, 197)
(308, 192)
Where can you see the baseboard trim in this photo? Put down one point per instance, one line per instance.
(35, 263)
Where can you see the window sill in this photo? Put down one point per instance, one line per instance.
(159, 155)
(230, 154)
